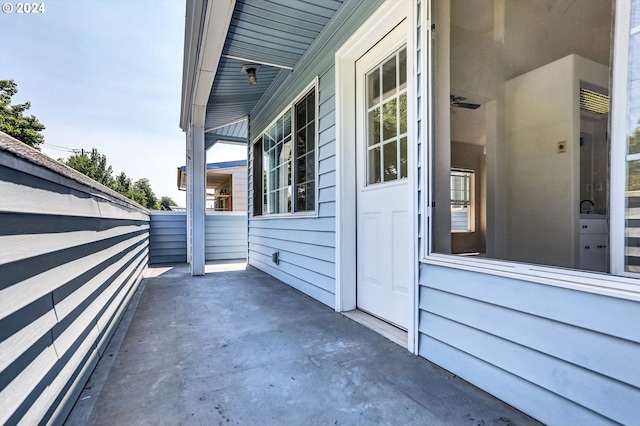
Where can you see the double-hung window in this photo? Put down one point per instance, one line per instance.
(286, 155)
(461, 198)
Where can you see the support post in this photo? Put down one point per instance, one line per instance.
(196, 199)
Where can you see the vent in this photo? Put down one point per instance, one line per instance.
(594, 102)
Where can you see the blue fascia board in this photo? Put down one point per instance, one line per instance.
(221, 165)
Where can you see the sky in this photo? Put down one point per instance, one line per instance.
(106, 74)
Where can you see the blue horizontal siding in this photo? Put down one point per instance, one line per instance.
(307, 245)
(564, 349)
(225, 237)
(168, 237)
(72, 257)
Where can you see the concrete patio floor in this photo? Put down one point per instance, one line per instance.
(238, 347)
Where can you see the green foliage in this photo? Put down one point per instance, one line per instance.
(633, 172)
(165, 202)
(94, 165)
(12, 119)
(142, 194)
(122, 184)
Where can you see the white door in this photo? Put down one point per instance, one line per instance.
(384, 221)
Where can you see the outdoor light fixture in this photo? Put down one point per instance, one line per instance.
(251, 70)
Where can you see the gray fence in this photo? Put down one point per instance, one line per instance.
(72, 254)
(225, 236)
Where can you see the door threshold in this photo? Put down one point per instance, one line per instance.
(391, 332)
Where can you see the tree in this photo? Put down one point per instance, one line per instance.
(165, 202)
(122, 184)
(142, 194)
(12, 119)
(93, 165)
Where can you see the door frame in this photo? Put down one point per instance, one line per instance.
(385, 19)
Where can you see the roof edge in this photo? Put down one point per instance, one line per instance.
(206, 27)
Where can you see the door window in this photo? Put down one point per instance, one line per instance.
(386, 124)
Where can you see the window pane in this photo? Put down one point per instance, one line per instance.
(373, 166)
(310, 167)
(403, 158)
(515, 118)
(305, 149)
(301, 142)
(632, 222)
(311, 138)
(403, 113)
(301, 197)
(402, 59)
(286, 131)
(301, 116)
(277, 165)
(373, 88)
(633, 97)
(272, 134)
(280, 129)
(389, 83)
(632, 216)
(311, 107)
(386, 123)
(302, 169)
(390, 117)
(461, 184)
(390, 161)
(311, 195)
(460, 219)
(373, 127)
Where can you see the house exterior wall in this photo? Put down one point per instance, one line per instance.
(559, 349)
(239, 189)
(225, 237)
(168, 237)
(306, 245)
(72, 255)
(560, 355)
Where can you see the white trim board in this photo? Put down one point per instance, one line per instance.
(385, 19)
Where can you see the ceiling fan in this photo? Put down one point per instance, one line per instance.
(456, 101)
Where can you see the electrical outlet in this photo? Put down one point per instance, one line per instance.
(562, 147)
(588, 187)
(599, 186)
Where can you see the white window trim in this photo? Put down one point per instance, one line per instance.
(623, 285)
(306, 214)
(617, 175)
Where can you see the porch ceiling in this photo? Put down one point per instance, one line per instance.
(234, 133)
(271, 33)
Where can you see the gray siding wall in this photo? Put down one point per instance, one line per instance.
(306, 245)
(225, 236)
(168, 242)
(560, 355)
(71, 257)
